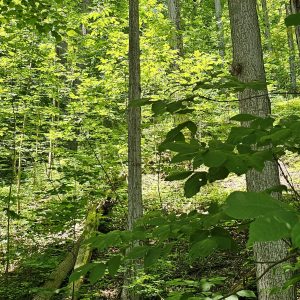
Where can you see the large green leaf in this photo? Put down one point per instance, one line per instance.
(193, 184)
(244, 117)
(272, 227)
(214, 158)
(137, 252)
(113, 264)
(246, 294)
(180, 147)
(296, 235)
(81, 271)
(178, 175)
(247, 205)
(203, 248)
(292, 20)
(97, 272)
(152, 256)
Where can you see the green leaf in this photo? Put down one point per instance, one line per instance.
(246, 294)
(137, 252)
(296, 235)
(79, 272)
(180, 147)
(292, 20)
(243, 118)
(232, 297)
(152, 256)
(158, 107)
(193, 184)
(217, 173)
(180, 157)
(203, 248)
(272, 227)
(247, 205)
(214, 158)
(277, 136)
(139, 102)
(113, 264)
(236, 164)
(97, 272)
(178, 175)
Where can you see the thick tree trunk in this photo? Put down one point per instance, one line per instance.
(292, 60)
(174, 15)
(267, 31)
(295, 6)
(135, 204)
(221, 39)
(249, 66)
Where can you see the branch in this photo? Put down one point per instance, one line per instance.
(241, 286)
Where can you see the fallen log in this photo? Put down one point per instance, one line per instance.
(57, 277)
(78, 256)
(84, 254)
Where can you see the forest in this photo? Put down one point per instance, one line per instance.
(149, 149)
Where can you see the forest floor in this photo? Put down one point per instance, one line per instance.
(38, 251)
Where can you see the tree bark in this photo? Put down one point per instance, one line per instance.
(295, 6)
(221, 39)
(248, 61)
(292, 60)
(175, 18)
(135, 204)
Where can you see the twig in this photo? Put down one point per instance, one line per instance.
(237, 288)
(290, 183)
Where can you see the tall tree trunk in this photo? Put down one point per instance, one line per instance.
(248, 66)
(221, 39)
(295, 6)
(174, 15)
(135, 204)
(267, 31)
(292, 60)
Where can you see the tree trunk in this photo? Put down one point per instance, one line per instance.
(135, 204)
(292, 60)
(174, 15)
(249, 66)
(267, 31)
(19, 169)
(221, 40)
(295, 6)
